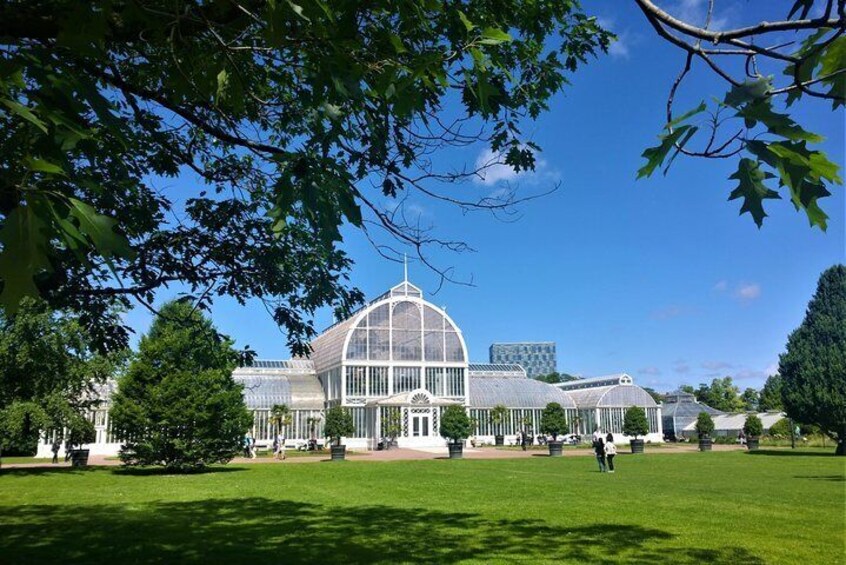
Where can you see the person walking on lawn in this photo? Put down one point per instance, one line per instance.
(599, 450)
(610, 452)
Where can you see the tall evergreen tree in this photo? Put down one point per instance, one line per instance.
(813, 367)
(770, 398)
(178, 405)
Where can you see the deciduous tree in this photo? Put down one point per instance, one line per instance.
(48, 376)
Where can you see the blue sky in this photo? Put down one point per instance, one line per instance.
(659, 278)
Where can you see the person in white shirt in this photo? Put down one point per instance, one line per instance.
(610, 452)
(280, 447)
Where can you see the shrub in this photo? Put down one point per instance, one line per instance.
(753, 427)
(781, 429)
(553, 420)
(704, 424)
(455, 424)
(635, 423)
(339, 423)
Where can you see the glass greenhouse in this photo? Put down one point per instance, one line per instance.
(395, 364)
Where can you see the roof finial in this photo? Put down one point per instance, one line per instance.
(405, 267)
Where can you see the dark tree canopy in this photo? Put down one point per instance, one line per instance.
(813, 366)
(177, 405)
(285, 121)
(291, 119)
(48, 374)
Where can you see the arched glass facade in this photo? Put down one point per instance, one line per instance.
(397, 344)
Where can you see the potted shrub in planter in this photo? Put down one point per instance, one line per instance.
(499, 414)
(339, 423)
(753, 428)
(455, 428)
(704, 427)
(635, 424)
(81, 431)
(554, 423)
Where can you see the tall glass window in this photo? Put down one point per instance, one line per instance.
(356, 381)
(435, 380)
(378, 381)
(454, 381)
(406, 378)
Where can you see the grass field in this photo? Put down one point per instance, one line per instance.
(724, 508)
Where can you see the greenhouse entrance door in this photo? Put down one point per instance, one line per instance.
(421, 426)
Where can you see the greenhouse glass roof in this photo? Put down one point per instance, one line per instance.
(300, 389)
(612, 396)
(515, 392)
(496, 370)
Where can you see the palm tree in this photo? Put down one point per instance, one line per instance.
(280, 416)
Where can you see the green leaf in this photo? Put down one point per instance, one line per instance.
(24, 113)
(779, 124)
(25, 240)
(698, 110)
(222, 83)
(802, 171)
(298, 10)
(99, 229)
(750, 90)
(467, 23)
(41, 166)
(397, 43)
(655, 155)
(494, 36)
(751, 189)
(834, 60)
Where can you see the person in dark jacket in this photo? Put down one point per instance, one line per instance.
(599, 450)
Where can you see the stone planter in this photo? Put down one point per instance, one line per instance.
(79, 457)
(556, 448)
(704, 444)
(339, 452)
(637, 445)
(499, 440)
(456, 450)
(752, 444)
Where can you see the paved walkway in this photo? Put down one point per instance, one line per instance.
(402, 454)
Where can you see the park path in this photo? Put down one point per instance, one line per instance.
(404, 454)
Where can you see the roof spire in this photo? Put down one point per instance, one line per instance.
(405, 267)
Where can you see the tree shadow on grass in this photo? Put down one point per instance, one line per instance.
(792, 453)
(159, 471)
(35, 471)
(260, 530)
(125, 471)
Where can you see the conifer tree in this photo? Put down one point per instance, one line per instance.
(813, 367)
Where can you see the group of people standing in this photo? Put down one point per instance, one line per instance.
(278, 446)
(605, 451)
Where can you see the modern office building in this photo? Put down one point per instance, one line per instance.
(537, 357)
(400, 360)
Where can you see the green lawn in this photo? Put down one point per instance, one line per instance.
(729, 507)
